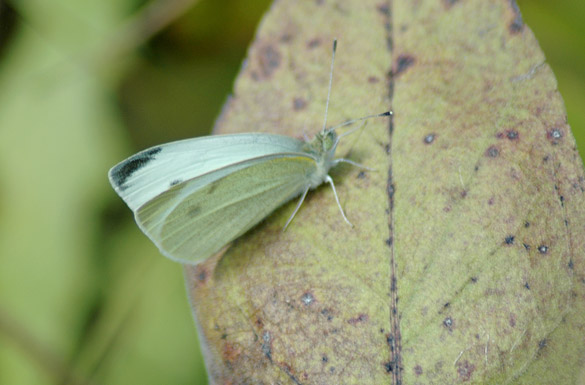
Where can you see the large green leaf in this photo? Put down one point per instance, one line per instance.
(466, 262)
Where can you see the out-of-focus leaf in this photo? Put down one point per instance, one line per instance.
(52, 159)
(68, 313)
(466, 263)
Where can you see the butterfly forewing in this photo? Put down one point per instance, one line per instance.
(190, 224)
(151, 172)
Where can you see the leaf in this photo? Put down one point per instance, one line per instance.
(53, 118)
(76, 302)
(466, 262)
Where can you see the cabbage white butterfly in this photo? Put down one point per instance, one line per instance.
(193, 196)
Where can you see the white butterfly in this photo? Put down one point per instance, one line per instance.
(193, 196)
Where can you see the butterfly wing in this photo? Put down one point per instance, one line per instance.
(151, 172)
(193, 220)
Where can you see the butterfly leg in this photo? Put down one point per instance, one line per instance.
(343, 160)
(330, 181)
(296, 208)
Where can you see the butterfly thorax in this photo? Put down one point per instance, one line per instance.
(322, 148)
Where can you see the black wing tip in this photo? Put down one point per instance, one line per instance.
(120, 173)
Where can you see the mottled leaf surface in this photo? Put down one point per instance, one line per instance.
(466, 262)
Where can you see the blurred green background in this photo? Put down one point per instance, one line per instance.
(85, 298)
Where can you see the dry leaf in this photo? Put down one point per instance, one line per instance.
(466, 262)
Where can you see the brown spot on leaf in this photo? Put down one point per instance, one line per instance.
(383, 8)
(430, 138)
(448, 323)
(201, 275)
(492, 152)
(313, 43)
(286, 37)
(327, 314)
(465, 370)
(299, 104)
(286, 367)
(554, 135)
(389, 366)
(270, 60)
(390, 341)
(418, 370)
(517, 24)
(402, 64)
(512, 135)
(512, 320)
(308, 298)
(360, 318)
(509, 134)
(449, 3)
(230, 352)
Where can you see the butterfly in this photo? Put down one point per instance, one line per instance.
(192, 197)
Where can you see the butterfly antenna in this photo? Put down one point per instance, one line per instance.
(330, 82)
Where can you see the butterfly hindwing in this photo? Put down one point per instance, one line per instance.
(189, 224)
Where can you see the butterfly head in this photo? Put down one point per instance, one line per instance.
(323, 144)
(328, 140)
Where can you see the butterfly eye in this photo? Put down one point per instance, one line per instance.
(329, 140)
